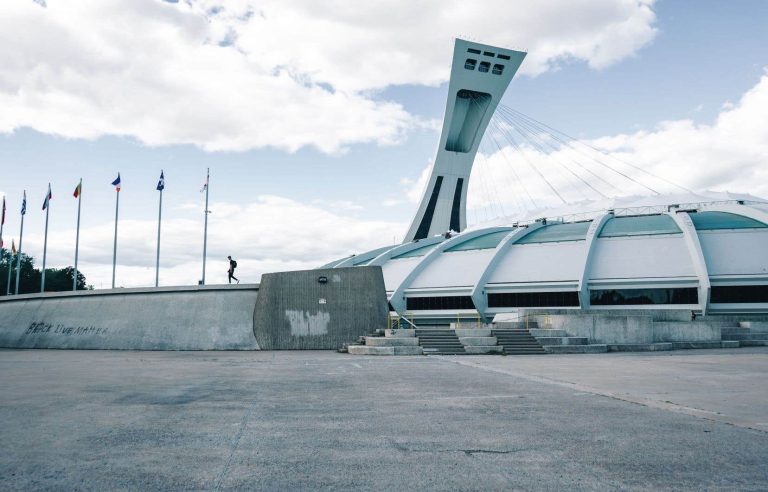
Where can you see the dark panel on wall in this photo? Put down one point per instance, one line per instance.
(438, 303)
(426, 221)
(628, 297)
(319, 309)
(456, 207)
(739, 294)
(534, 299)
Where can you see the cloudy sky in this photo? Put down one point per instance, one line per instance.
(319, 119)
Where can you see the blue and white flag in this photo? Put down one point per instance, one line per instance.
(48, 197)
(24, 203)
(116, 183)
(161, 183)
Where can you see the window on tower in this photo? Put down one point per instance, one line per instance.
(470, 64)
(484, 66)
(498, 69)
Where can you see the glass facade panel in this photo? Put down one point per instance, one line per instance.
(415, 252)
(488, 241)
(710, 221)
(534, 299)
(739, 294)
(439, 303)
(574, 231)
(639, 226)
(630, 297)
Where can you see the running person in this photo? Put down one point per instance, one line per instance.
(231, 271)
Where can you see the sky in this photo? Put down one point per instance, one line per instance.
(319, 120)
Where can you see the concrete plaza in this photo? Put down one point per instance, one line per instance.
(97, 420)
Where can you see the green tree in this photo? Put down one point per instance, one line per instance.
(56, 279)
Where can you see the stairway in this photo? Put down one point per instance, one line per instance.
(748, 334)
(518, 341)
(440, 341)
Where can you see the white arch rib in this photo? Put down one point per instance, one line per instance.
(404, 248)
(368, 255)
(586, 269)
(398, 296)
(478, 291)
(684, 222)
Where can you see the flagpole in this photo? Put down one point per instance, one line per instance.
(10, 267)
(114, 249)
(205, 229)
(45, 241)
(18, 252)
(159, 220)
(77, 234)
(2, 245)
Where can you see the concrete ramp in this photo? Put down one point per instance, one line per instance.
(173, 318)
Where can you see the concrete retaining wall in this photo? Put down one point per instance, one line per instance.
(624, 329)
(173, 318)
(319, 309)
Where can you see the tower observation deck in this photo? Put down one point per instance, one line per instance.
(479, 76)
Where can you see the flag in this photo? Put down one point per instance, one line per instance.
(48, 197)
(13, 246)
(24, 203)
(78, 190)
(161, 183)
(205, 185)
(3, 220)
(116, 183)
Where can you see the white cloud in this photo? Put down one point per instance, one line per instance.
(242, 74)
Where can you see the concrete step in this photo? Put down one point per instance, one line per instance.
(484, 349)
(576, 349)
(400, 333)
(730, 344)
(755, 325)
(746, 336)
(478, 341)
(639, 347)
(374, 350)
(548, 332)
(563, 340)
(753, 343)
(735, 331)
(696, 345)
(391, 342)
(505, 325)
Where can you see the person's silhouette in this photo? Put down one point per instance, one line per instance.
(231, 271)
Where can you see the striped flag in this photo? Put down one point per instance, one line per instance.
(13, 246)
(161, 182)
(116, 183)
(48, 197)
(3, 220)
(78, 190)
(24, 203)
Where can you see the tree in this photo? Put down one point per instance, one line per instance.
(56, 279)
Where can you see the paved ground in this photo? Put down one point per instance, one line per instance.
(319, 420)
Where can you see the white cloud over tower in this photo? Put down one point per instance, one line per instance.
(241, 75)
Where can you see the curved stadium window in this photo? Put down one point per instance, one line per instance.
(636, 297)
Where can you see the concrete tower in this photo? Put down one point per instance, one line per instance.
(479, 76)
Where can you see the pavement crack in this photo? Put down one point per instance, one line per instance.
(233, 448)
